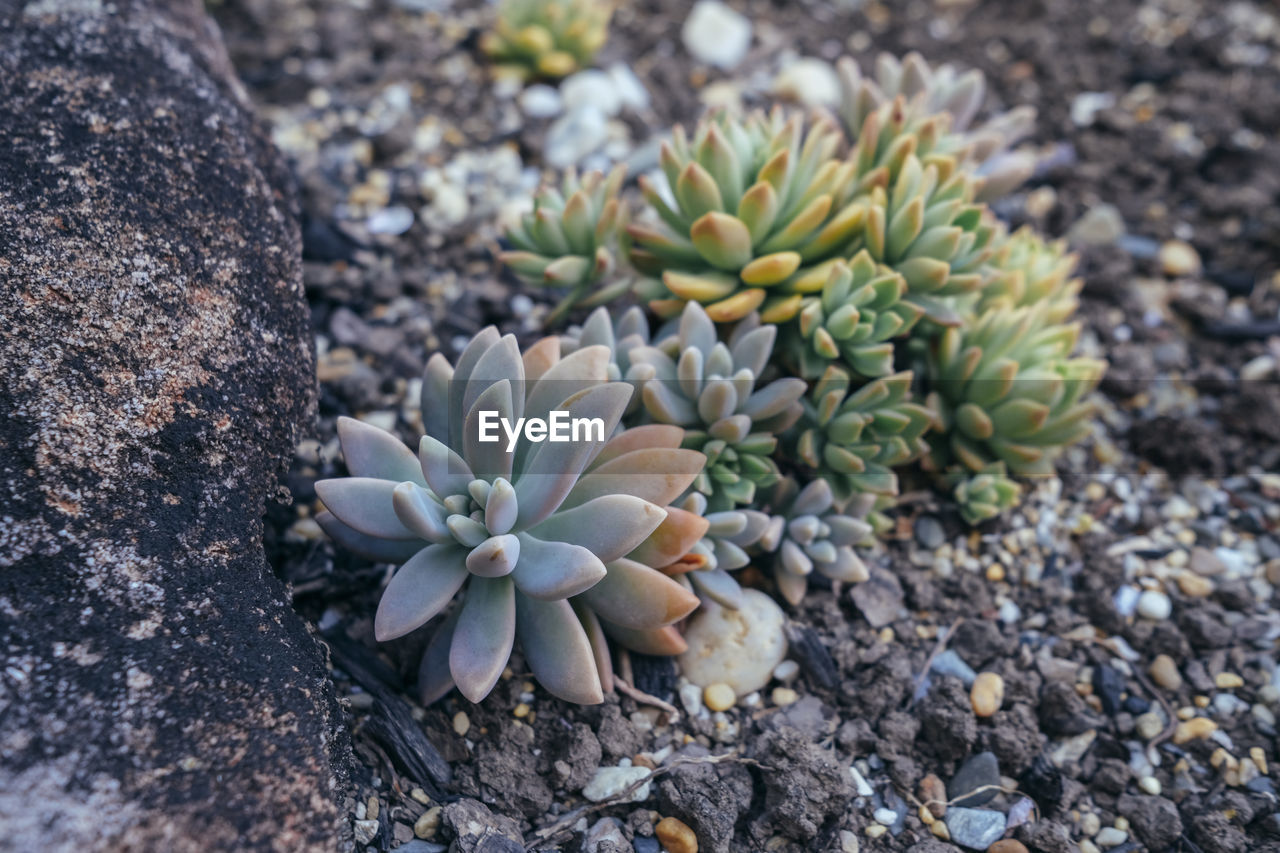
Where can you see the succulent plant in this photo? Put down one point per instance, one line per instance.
(630, 331)
(852, 321)
(931, 232)
(724, 547)
(1005, 388)
(1030, 271)
(808, 531)
(547, 38)
(853, 438)
(983, 495)
(753, 201)
(566, 241)
(909, 107)
(548, 538)
(693, 380)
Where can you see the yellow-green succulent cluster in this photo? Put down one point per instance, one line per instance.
(755, 203)
(547, 38)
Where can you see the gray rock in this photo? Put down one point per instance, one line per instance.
(976, 829)
(879, 599)
(604, 833)
(156, 371)
(1101, 225)
(478, 830)
(979, 771)
(929, 532)
(949, 663)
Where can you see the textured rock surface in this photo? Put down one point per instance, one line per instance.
(155, 367)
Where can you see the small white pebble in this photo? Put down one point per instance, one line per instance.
(860, 783)
(1150, 785)
(1111, 837)
(885, 816)
(1155, 605)
(786, 671)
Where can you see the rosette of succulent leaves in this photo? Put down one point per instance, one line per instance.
(909, 105)
(555, 544)
(808, 530)
(547, 39)
(567, 242)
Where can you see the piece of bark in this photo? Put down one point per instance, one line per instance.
(156, 367)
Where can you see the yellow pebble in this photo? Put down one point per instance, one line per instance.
(1194, 729)
(1165, 672)
(1200, 701)
(1227, 681)
(719, 696)
(1194, 585)
(1259, 758)
(425, 827)
(675, 836)
(461, 724)
(1095, 491)
(1122, 823)
(522, 710)
(876, 830)
(371, 808)
(886, 635)
(939, 829)
(987, 694)
(421, 796)
(784, 696)
(995, 572)
(926, 816)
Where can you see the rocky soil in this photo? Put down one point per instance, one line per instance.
(1129, 607)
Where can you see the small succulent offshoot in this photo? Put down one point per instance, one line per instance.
(984, 495)
(547, 541)
(547, 39)
(567, 242)
(708, 387)
(809, 531)
(753, 201)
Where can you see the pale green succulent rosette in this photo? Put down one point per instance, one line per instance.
(708, 387)
(544, 538)
(854, 436)
(567, 241)
(853, 321)
(907, 107)
(754, 201)
(808, 531)
(1007, 389)
(984, 495)
(547, 38)
(1028, 270)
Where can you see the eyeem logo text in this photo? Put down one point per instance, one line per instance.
(557, 427)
